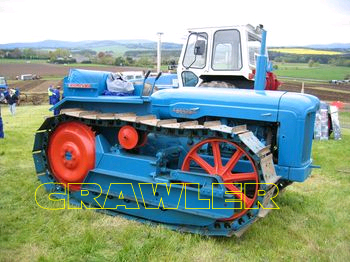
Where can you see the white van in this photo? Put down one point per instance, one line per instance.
(27, 77)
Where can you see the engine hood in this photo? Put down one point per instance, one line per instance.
(193, 103)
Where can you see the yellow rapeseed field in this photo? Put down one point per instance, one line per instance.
(304, 51)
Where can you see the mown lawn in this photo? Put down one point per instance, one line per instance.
(313, 222)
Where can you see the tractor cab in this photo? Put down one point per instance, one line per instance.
(221, 56)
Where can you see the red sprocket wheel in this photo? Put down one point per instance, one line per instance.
(71, 153)
(130, 138)
(213, 149)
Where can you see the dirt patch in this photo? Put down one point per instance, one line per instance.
(34, 98)
(324, 91)
(10, 71)
(42, 87)
(34, 85)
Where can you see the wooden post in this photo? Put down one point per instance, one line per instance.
(302, 87)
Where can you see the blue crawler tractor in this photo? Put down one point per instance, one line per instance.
(197, 159)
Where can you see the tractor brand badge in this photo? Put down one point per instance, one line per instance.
(185, 111)
(74, 85)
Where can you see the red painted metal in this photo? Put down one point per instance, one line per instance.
(71, 153)
(225, 171)
(128, 137)
(338, 104)
(271, 81)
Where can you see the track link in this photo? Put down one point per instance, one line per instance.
(150, 123)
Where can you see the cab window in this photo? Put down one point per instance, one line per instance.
(254, 44)
(196, 51)
(227, 53)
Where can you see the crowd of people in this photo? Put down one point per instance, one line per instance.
(11, 97)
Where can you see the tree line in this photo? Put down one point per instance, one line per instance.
(338, 60)
(60, 56)
(147, 57)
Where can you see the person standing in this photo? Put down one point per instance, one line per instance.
(2, 135)
(12, 100)
(56, 98)
(50, 93)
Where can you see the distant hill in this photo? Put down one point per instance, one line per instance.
(331, 46)
(129, 44)
(90, 44)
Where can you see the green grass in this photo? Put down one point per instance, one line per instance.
(21, 61)
(344, 119)
(319, 72)
(313, 223)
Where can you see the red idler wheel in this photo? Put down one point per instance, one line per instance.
(225, 170)
(128, 137)
(71, 153)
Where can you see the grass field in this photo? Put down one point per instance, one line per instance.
(319, 72)
(22, 61)
(345, 119)
(313, 223)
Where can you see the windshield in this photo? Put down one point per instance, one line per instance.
(227, 50)
(254, 44)
(194, 57)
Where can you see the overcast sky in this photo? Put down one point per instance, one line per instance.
(289, 23)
